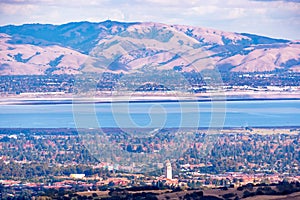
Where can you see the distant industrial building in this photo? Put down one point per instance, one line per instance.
(77, 176)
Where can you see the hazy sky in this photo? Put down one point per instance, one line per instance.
(275, 18)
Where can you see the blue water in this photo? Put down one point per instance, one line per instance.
(153, 115)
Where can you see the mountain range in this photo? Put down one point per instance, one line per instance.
(80, 47)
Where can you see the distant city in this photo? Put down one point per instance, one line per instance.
(235, 84)
(49, 160)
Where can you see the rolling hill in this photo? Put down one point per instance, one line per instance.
(117, 47)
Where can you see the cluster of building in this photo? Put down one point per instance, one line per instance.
(57, 159)
(63, 85)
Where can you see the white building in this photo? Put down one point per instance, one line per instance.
(77, 176)
(168, 170)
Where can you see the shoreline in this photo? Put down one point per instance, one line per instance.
(57, 101)
(246, 129)
(148, 97)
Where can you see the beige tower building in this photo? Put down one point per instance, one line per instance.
(168, 170)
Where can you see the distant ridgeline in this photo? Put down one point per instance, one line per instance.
(116, 47)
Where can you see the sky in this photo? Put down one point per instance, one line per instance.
(273, 18)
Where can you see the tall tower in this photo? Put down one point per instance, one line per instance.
(168, 170)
